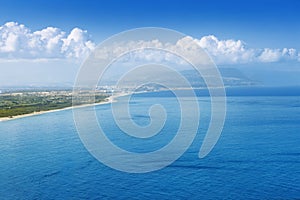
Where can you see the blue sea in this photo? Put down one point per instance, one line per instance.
(256, 157)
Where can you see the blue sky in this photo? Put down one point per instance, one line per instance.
(260, 23)
(262, 26)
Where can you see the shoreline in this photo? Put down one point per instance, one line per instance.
(108, 100)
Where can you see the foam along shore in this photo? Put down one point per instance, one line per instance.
(106, 101)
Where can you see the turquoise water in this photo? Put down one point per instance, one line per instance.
(257, 156)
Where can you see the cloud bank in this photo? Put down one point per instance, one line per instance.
(19, 42)
(221, 51)
(236, 51)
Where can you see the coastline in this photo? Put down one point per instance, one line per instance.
(108, 100)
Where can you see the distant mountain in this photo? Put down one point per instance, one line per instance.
(231, 77)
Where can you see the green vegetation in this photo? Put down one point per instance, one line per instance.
(29, 102)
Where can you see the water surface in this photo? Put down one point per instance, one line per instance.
(257, 156)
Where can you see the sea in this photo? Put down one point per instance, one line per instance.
(256, 157)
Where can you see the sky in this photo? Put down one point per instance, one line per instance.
(45, 41)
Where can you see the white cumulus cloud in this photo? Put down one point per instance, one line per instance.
(227, 51)
(236, 51)
(18, 41)
(270, 55)
(275, 55)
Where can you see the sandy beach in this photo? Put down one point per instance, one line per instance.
(106, 101)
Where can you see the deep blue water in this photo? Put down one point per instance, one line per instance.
(257, 156)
